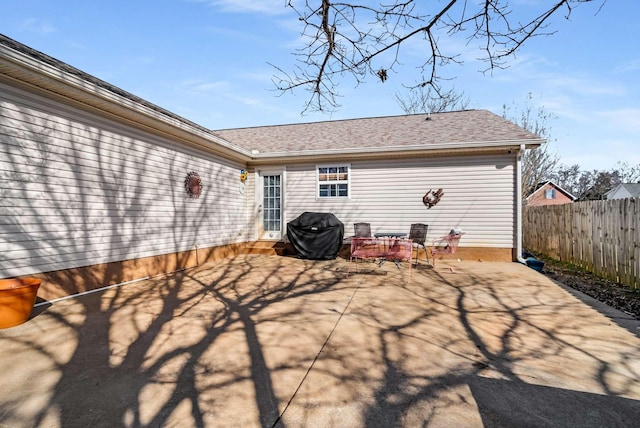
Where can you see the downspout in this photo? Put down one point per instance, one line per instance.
(519, 204)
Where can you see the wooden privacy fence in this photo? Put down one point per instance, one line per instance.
(602, 237)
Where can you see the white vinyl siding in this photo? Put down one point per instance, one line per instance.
(479, 194)
(77, 189)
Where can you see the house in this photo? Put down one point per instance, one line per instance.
(101, 187)
(549, 193)
(623, 191)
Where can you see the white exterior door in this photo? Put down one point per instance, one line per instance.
(270, 206)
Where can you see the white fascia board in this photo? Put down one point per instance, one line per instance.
(23, 63)
(400, 150)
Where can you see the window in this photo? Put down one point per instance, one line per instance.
(550, 193)
(333, 181)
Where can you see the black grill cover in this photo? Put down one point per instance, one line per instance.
(316, 236)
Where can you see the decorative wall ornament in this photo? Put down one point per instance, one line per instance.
(431, 198)
(193, 184)
(244, 174)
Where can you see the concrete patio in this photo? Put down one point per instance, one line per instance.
(278, 341)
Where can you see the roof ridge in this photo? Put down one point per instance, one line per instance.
(63, 66)
(317, 122)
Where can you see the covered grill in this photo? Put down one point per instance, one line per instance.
(316, 236)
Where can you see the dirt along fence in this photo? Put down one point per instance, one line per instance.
(602, 237)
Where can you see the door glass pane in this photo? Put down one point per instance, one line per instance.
(271, 203)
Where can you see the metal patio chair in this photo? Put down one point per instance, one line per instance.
(362, 230)
(418, 234)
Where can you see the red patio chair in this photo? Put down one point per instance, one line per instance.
(445, 245)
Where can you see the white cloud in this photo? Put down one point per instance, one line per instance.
(261, 77)
(220, 86)
(623, 119)
(145, 59)
(233, 34)
(630, 66)
(583, 85)
(36, 25)
(266, 7)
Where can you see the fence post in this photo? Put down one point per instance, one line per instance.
(600, 236)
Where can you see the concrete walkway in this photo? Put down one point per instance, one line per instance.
(277, 341)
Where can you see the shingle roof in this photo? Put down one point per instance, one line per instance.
(466, 127)
(49, 60)
(632, 188)
(541, 186)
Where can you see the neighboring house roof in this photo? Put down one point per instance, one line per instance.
(409, 135)
(624, 190)
(545, 184)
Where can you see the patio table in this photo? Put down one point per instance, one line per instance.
(389, 235)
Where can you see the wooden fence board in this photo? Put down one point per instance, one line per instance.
(600, 236)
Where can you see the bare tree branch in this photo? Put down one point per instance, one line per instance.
(538, 165)
(362, 39)
(429, 100)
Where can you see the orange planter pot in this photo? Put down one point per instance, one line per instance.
(17, 297)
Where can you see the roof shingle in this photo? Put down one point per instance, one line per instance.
(459, 127)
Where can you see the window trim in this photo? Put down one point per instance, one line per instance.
(550, 193)
(337, 181)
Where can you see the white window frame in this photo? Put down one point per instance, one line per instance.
(550, 193)
(333, 181)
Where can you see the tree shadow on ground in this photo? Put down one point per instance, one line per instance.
(143, 354)
(500, 347)
(276, 341)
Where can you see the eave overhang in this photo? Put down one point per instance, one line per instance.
(398, 152)
(22, 70)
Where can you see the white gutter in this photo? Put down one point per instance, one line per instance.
(24, 68)
(519, 204)
(467, 145)
(67, 81)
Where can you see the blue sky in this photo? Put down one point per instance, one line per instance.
(208, 61)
